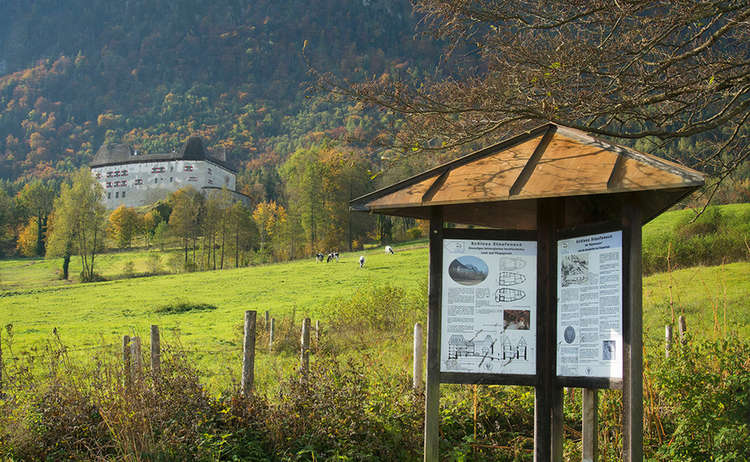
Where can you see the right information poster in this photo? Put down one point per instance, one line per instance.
(589, 306)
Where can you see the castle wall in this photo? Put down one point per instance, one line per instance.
(141, 183)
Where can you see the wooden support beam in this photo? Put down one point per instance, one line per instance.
(548, 398)
(632, 319)
(528, 169)
(432, 388)
(590, 422)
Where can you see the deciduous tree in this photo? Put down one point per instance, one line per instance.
(79, 220)
(630, 69)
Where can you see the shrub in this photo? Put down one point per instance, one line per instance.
(183, 306)
(153, 263)
(128, 270)
(704, 389)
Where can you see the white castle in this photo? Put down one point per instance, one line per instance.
(134, 179)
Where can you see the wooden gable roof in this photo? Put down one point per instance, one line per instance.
(499, 186)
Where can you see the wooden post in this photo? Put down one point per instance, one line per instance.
(305, 347)
(548, 396)
(417, 359)
(317, 334)
(126, 360)
(136, 358)
(265, 323)
(270, 334)
(590, 425)
(632, 314)
(432, 387)
(667, 340)
(683, 329)
(248, 353)
(155, 351)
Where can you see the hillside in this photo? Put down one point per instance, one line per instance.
(152, 72)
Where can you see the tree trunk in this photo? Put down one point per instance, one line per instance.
(65, 265)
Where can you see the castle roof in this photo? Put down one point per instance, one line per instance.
(121, 154)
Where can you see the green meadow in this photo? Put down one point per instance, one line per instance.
(714, 299)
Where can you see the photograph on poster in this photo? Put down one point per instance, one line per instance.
(589, 307)
(488, 306)
(468, 270)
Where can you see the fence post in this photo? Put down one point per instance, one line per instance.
(155, 351)
(270, 334)
(248, 353)
(590, 425)
(136, 358)
(265, 323)
(417, 359)
(667, 339)
(317, 334)
(126, 360)
(683, 329)
(305, 350)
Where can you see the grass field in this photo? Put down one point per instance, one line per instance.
(715, 300)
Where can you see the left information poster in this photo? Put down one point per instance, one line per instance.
(489, 306)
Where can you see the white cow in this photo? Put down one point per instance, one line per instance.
(389, 249)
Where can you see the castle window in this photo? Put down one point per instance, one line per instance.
(123, 194)
(124, 173)
(98, 175)
(109, 174)
(188, 168)
(156, 180)
(170, 179)
(210, 181)
(193, 178)
(109, 184)
(117, 195)
(157, 169)
(124, 183)
(209, 170)
(138, 181)
(109, 195)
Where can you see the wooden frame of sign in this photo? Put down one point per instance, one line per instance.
(548, 415)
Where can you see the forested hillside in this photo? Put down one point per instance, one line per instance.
(74, 74)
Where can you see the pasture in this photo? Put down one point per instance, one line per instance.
(89, 316)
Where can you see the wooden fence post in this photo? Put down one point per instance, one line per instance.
(270, 334)
(265, 320)
(248, 357)
(305, 348)
(667, 340)
(136, 358)
(126, 360)
(155, 351)
(317, 334)
(590, 425)
(683, 329)
(417, 359)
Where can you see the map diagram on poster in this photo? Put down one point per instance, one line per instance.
(488, 306)
(589, 306)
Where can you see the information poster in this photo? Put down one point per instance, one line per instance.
(489, 306)
(589, 306)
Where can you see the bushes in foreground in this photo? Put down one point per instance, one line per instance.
(696, 407)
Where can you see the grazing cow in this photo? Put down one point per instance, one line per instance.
(389, 249)
(336, 255)
(319, 257)
(362, 261)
